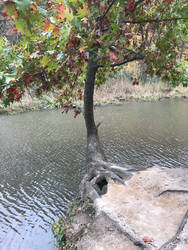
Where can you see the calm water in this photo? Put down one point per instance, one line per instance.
(42, 159)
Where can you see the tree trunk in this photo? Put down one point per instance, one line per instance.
(94, 152)
(99, 171)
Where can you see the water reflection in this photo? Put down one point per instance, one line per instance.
(42, 158)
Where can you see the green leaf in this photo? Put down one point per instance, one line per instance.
(60, 56)
(45, 60)
(6, 101)
(42, 11)
(9, 78)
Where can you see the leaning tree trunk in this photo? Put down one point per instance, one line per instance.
(99, 171)
(94, 152)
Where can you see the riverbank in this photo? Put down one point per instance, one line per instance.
(122, 90)
(115, 91)
(149, 212)
(29, 103)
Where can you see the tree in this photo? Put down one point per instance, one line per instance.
(76, 45)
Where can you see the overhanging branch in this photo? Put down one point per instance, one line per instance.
(136, 57)
(106, 12)
(42, 73)
(156, 20)
(113, 48)
(101, 18)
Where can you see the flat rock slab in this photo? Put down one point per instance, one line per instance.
(103, 235)
(144, 212)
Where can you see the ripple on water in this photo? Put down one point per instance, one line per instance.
(42, 156)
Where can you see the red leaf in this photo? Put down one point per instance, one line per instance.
(60, 8)
(169, 1)
(73, 41)
(14, 93)
(113, 56)
(4, 13)
(14, 30)
(103, 8)
(28, 79)
(33, 8)
(46, 25)
(130, 5)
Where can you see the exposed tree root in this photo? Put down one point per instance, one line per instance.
(170, 244)
(173, 191)
(95, 182)
(139, 243)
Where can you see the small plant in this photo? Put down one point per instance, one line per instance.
(59, 229)
(63, 229)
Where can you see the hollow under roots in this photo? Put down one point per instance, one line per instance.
(95, 182)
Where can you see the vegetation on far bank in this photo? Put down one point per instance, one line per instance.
(122, 89)
(115, 91)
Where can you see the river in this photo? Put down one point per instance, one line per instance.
(42, 160)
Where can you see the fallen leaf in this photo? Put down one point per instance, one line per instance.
(147, 239)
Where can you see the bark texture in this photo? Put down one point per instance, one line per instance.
(94, 151)
(99, 171)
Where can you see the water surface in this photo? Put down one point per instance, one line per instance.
(42, 161)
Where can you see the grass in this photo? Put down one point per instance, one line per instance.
(122, 89)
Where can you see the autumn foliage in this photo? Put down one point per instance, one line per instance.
(58, 36)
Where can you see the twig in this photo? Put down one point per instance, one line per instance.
(100, 122)
(127, 233)
(156, 20)
(101, 18)
(25, 75)
(136, 57)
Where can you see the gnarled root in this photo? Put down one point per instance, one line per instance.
(95, 182)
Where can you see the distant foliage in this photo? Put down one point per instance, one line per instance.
(57, 37)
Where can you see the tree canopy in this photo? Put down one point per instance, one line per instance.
(57, 38)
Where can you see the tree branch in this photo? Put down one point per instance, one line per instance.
(156, 20)
(131, 51)
(113, 48)
(21, 80)
(101, 18)
(136, 57)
